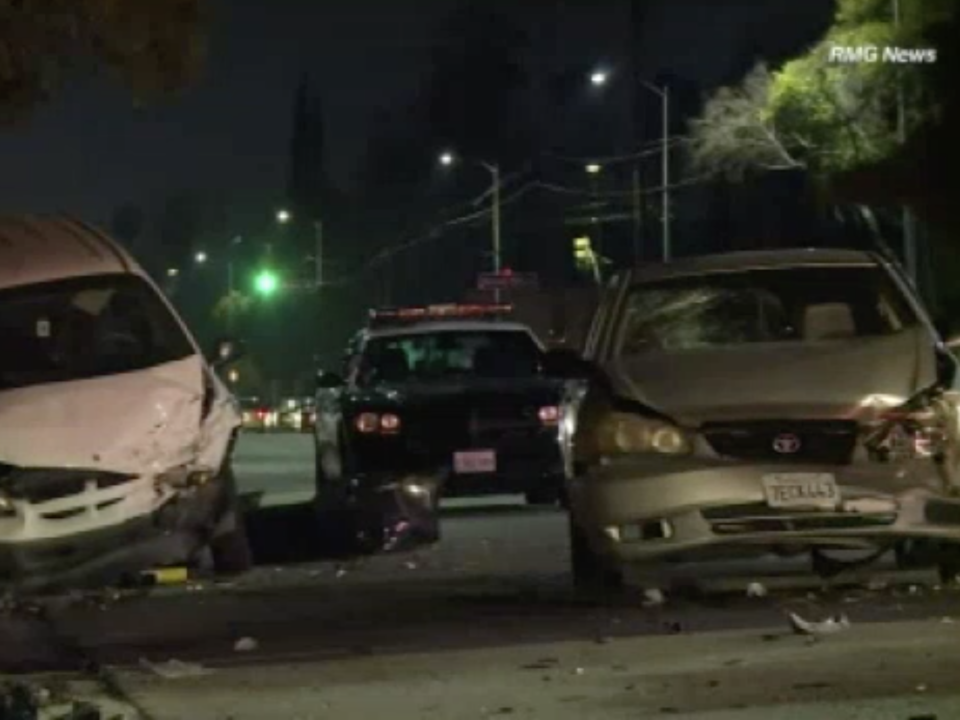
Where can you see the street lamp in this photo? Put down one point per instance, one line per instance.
(200, 258)
(598, 78)
(593, 169)
(283, 216)
(447, 159)
(172, 272)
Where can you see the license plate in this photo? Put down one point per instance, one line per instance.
(471, 462)
(801, 490)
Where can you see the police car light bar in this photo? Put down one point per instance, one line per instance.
(436, 312)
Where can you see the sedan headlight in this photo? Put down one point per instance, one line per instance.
(628, 434)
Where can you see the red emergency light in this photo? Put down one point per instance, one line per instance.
(437, 312)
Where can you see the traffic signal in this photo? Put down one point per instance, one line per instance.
(266, 282)
(583, 253)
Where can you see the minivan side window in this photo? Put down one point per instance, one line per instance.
(85, 328)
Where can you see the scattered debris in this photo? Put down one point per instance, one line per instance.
(410, 565)
(914, 590)
(175, 669)
(674, 627)
(670, 710)
(947, 621)
(922, 717)
(579, 671)
(830, 626)
(921, 688)
(246, 644)
(542, 664)
(603, 640)
(503, 711)
(756, 590)
(653, 597)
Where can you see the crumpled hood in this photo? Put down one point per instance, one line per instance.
(837, 379)
(137, 422)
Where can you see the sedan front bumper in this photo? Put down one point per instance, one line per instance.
(641, 510)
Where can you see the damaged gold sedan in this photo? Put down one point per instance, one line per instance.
(796, 401)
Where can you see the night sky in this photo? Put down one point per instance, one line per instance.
(90, 150)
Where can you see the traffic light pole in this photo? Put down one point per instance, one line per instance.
(318, 252)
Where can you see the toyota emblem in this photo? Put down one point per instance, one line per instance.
(786, 444)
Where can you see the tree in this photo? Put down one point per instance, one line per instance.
(154, 46)
(821, 114)
(736, 133)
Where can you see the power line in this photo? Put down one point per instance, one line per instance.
(675, 141)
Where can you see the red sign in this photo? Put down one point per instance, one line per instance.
(507, 280)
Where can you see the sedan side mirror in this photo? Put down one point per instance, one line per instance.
(227, 351)
(328, 380)
(567, 364)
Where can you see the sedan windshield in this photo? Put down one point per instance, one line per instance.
(85, 328)
(792, 305)
(449, 354)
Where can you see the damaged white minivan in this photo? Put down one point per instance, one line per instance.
(115, 431)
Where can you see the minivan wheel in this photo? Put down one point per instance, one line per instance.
(231, 552)
(589, 571)
(230, 548)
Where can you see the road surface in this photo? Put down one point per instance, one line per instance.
(485, 625)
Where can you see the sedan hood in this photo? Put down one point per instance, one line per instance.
(835, 379)
(136, 422)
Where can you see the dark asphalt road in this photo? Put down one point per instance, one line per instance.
(499, 579)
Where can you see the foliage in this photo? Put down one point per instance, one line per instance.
(154, 46)
(821, 114)
(232, 308)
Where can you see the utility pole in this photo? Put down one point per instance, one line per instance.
(664, 94)
(318, 253)
(910, 255)
(635, 181)
(494, 171)
(667, 247)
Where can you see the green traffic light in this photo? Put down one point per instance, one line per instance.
(267, 283)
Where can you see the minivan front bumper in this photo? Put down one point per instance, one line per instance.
(171, 533)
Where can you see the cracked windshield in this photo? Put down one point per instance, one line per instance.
(459, 359)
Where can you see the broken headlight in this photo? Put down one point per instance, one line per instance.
(619, 433)
(914, 431)
(184, 478)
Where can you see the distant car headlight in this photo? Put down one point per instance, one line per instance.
(620, 433)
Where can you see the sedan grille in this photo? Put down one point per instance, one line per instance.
(828, 442)
(760, 518)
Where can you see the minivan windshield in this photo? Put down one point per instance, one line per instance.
(803, 304)
(85, 328)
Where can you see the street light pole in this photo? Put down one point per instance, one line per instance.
(667, 246)
(910, 255)
(318, 252)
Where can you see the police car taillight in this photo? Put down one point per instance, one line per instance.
(371, 423)
(549, 414)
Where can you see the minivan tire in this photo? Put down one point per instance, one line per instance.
(230, 548)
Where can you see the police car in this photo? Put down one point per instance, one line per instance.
(452, 393)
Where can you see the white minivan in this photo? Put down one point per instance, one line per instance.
(115, 432)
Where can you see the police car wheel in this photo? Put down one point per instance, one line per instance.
(589, 571)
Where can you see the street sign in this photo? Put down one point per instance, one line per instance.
(507, 281)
